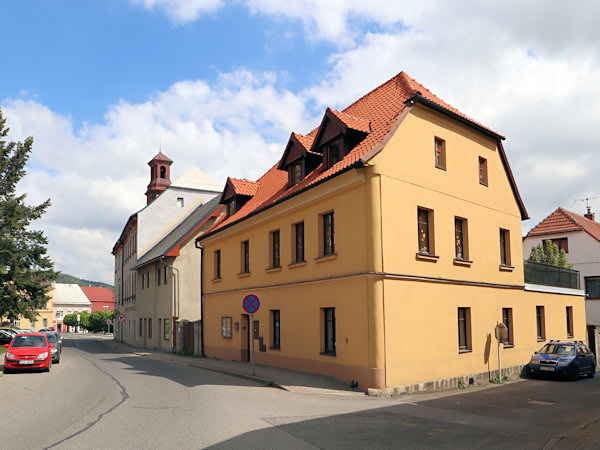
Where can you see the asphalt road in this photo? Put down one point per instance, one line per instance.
(96, 398)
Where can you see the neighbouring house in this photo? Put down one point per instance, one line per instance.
(43, 318)
(385, 249)
(102, 298)
(170, 287)
(579, 236)
(168, 206)
(68, 299)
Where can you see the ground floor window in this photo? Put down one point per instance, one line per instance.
(464, 329)
(507, 319)
(540, 323)
(149, 328)
(569, 321)
(329, 331)
(276, 342)
(140, 332)
(226, 327)
(167, 329)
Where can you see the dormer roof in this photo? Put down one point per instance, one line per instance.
(236, 186)
(298, 146)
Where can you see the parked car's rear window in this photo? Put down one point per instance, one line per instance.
(558, 349)
(29, 341)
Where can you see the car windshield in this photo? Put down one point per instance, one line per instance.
(558, 349)
(51, 338)
(29, 341)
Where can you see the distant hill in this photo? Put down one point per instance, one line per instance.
(64, 278)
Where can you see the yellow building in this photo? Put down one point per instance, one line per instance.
(385, 246)
(44, 318)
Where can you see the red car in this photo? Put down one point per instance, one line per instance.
(28, 351)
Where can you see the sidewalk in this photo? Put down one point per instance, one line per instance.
(286, 379)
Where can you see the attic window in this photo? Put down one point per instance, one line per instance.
(180, 202)
(295, 173)
(230, 207)
(331, 153)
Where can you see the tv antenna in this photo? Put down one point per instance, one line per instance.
(587, 202)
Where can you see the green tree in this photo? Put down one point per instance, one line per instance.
(71, 319)
(25, 269)
(97, 321)
(549, 254)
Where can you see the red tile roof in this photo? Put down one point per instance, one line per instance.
(99, 296)
(350, 121)
(305, 141)
(243, 187)
(563, 221)
(375, 113)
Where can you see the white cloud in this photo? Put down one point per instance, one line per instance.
(97, 177)
(181, 11)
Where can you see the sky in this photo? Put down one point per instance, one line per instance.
(102, 85)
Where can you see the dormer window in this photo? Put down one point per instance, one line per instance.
(331, 153)
(163, 171)
(230, 207)
(296, 175)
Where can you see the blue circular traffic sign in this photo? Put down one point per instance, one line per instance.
(251, 303)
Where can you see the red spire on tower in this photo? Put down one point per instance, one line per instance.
(160, 176)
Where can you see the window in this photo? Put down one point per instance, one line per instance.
(17, 323)
(329, 331)
(165, 272)
(143, 280)
(180, 202)
(276, 341)
(464, 329)
(483, 173)
(332, 153)
(504, 247)
(226, 327)
(158, 276)
(167, 329)
(440, 153)
(460, 239)
(592, 287)
(44, 323)
(230, 207)
(59, 313)
(147, 279)
(32, 324)
(150, 327)
(274, 244)
(569, 321)
(328, 234)
(246, 257)
(507, 319)
(425, 228)
(163, 172)
(540, 321)
(561, 243)
(296, 175)
(140, 330)
(299, 242)
(217, 262)
(159, 329)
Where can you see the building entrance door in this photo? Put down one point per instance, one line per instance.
(245, 336)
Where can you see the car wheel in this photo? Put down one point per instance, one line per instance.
(5, 370)
(58, 359)
(47, 369)
(592, 372)
(574, 374)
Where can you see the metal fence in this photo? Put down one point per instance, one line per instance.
(545, 274)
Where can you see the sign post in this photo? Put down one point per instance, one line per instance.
(251, 304)
(78, 321)
(108, 322)
(502, 336)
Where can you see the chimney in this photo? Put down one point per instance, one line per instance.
(589, 214)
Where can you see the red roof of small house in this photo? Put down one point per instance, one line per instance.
(100, 297)
(563, 221)
(374, 114)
